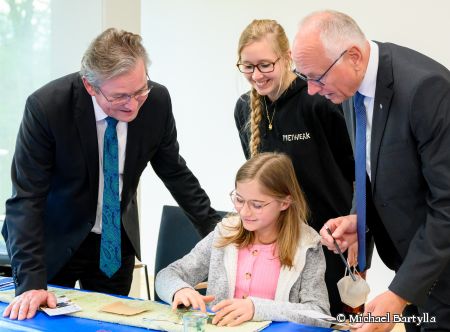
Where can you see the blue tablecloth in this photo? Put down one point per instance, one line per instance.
(42, 322)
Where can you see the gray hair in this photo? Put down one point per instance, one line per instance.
(112, 53)
(337, 31)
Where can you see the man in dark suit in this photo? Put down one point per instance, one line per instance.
(407, 99)
(57, 215)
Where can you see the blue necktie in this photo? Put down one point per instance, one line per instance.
(110, 250)
(360, 177)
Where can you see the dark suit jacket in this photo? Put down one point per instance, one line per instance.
(410, 169)
(55, 177)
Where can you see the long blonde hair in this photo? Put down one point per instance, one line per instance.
(276, 176)
(275, 34)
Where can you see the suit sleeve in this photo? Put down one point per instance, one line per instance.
(31, 176)
(429, 250)
(171, 168)
(241, 116)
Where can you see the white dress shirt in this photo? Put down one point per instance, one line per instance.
(122, 129)
(367, 88)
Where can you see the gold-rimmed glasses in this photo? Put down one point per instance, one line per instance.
(254, 205)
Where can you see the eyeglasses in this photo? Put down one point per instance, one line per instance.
(123, 99)
(255, 206)
(318, 81)
(264, 67)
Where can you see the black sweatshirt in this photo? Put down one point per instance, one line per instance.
(312, 131)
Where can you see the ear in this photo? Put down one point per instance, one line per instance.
(89, 88)
(356, 56)
(286, 203)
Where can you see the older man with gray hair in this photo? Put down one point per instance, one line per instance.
(397, 107)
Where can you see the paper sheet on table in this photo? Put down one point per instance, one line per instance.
(157, 316)
(323, 317)
(315, 314)
(121, 308)
(63, 307)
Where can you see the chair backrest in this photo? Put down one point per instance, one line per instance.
(177, 236)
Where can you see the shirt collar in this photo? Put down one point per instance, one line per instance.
(369, 83)
(99, 114)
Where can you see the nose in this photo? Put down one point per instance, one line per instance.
(313, 88)
(132, 103)
(257, 74)
(245, 210)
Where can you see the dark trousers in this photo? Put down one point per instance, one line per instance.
(335, 270)
(84, 267)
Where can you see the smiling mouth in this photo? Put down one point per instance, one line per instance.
(261, 84)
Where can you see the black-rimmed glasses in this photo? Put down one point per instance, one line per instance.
(318, 81)
(263, 67)
(124, 98)
(254, 205)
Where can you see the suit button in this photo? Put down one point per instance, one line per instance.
(384, 204)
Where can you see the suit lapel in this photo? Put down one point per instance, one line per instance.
(381, 107)
(135, 127)
(87, 131)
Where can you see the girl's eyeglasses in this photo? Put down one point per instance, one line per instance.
(254, 205)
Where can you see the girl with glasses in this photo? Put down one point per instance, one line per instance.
(263, 263)
(278, 114)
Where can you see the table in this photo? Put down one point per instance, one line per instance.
(42, 322)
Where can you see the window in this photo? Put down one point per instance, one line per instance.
(24, 66)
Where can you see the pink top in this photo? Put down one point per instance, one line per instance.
(257, 272)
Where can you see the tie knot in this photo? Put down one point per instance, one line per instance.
(111, 122)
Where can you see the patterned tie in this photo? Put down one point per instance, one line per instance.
(360, 177)
(110, 250)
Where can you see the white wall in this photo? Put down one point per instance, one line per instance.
(193, 48)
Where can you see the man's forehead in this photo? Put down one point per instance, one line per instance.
(308, 54)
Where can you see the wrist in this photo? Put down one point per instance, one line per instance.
(401, 302)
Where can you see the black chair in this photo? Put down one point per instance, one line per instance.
(177, 236)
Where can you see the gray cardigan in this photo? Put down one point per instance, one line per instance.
(299, 288)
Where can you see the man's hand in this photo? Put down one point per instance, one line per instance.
(25, 305)
(380, 306)
(190, 297)
(233, 312)
(343, 230)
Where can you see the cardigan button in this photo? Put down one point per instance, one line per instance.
(248, 275)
